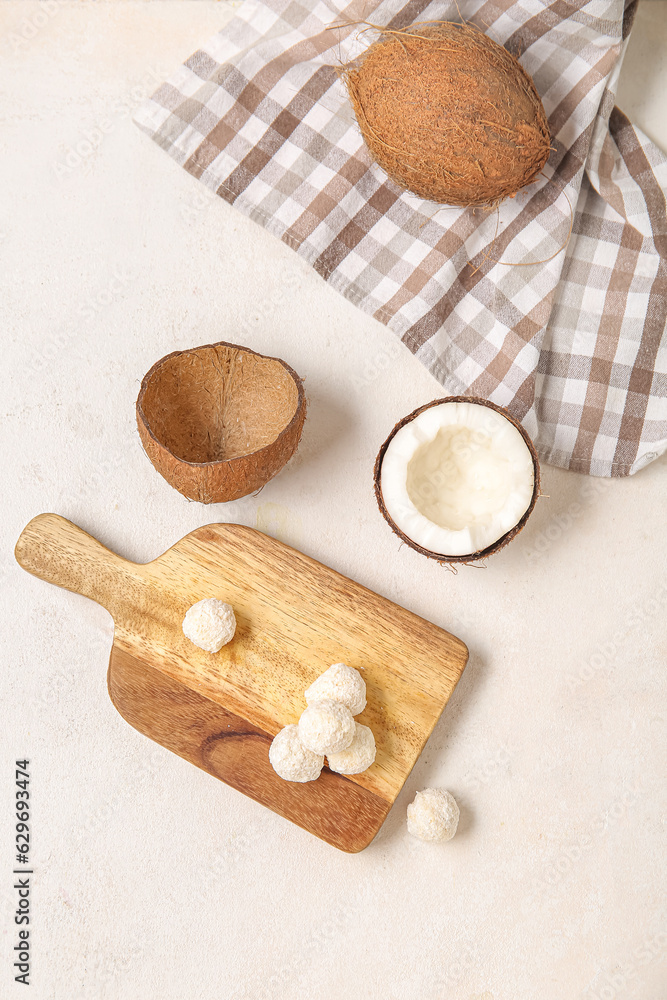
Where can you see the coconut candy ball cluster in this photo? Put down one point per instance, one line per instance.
(326, 727)
(210, 624)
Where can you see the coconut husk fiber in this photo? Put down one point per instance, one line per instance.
(449, 114)
(219, 421)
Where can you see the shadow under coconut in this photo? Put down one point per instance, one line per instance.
(432, 756)
(563, 514)
(328, 426)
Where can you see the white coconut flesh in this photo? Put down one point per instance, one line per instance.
(457, 478)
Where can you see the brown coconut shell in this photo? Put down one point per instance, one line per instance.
(508, 536)
(449, 114)
(219, 421)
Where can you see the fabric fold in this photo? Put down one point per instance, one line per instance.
(571, 342)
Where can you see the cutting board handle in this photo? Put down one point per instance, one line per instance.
(55, 550)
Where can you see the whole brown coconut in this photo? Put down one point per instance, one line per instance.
(501, 542)
(449, 114)
(219, 421)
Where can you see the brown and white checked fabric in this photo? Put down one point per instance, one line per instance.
(574, 347)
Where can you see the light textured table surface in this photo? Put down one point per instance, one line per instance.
(153, 881)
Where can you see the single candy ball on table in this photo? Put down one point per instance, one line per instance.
(210, 624)
(326, 727)
(291, 760)
(433, 816)
(358, 756)
(339, 683)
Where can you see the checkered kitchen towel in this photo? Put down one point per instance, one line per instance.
(573, 347)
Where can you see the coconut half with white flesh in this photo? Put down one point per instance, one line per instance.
(457, 479)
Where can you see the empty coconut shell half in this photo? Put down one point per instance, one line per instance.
(457, 479)
(219, 421)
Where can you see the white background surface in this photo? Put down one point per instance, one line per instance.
(155, 881)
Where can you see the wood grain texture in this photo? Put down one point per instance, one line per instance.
(295, 617)
(231, 749)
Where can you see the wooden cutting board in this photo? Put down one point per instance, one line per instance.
(295, 618)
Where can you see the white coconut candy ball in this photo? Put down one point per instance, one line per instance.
(291, 760)
(326, 727)
(339, 683)
(434, 815)
(359, 755)
(210, 624)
